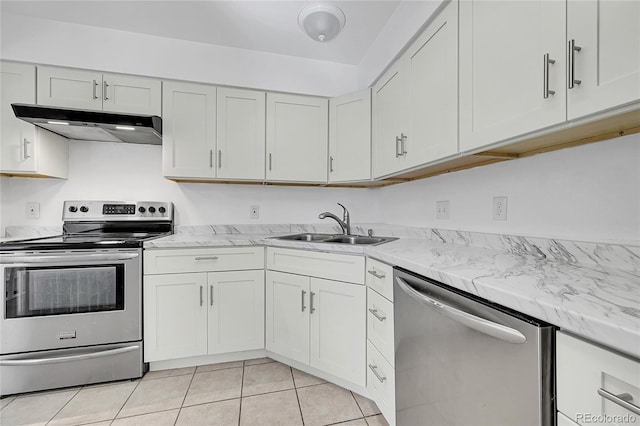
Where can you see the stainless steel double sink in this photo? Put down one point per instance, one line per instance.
(337, 239)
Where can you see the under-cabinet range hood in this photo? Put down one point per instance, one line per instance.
(93, 125)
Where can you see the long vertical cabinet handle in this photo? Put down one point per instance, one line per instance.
(302, 301)
(201, 296)
(210, 158)
(403, 146)
(311, 308)
(211, 295)
(269, 161)
(219, 158)
(104, 91)
(572, 59)
(25, 149)
(545, 78)
(398, 146)
(95, 89)
(331, 164)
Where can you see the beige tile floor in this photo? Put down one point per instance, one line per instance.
(258, 392)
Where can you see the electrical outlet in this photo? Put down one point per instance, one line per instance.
(442, 209)
(499, 208)
(254, 212)
(33, 210)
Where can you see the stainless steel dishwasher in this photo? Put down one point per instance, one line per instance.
(461, 360)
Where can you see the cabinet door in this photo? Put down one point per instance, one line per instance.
(350, 137)
(236, 311)
(502, 52)
(297, 144)
(432, 77)
(338, 329)
(175, 316)
(189, 130)
(388, 115)
(70, 88)
(287, 315)
(608, 63)
(17, 137)
(133, 95)
(241, 134)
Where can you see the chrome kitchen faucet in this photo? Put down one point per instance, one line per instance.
(345, 223)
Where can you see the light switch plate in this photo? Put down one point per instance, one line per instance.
(442, 209)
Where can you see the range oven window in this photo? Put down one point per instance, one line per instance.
(42, 291)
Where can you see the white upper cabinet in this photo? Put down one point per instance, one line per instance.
(608, 62)
(506, 49)
(415, 103)
(241, 134)
(189, 130)
(24, 148)
(350, 137)
(297, 138)
(96, 91)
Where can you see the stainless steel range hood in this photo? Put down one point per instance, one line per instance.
(93, 125)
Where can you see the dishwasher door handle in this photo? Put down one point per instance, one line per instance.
(482, 325)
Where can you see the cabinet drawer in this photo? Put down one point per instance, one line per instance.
(380, 277)
(203, 260)
(381, 383)
(380, 324)
(338, 267)
(591, 378)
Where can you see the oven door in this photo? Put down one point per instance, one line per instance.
(64, 299)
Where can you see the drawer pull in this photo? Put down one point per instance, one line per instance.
(311, 308)
(374, 312)
(201, 298)
(375, 274)
(207, 258)
(622, 400)
(302, 300)
(374, 369)
(211, 295)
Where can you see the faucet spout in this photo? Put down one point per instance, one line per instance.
(344, 223)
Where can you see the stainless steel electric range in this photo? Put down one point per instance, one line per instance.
(72, 309)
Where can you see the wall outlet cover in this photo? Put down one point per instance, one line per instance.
(254, 212)
(499, 208)
(32, 210)
(442, 209)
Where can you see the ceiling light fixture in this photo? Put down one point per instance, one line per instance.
(322, 22)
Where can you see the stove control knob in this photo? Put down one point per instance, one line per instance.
(142, 209)
(152, 209)
(73, 209)
(84, 209)
(162, 210)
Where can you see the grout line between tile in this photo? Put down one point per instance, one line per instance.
(357, 404)
(344, 421)
(297, 397)
(62, 408)
(9, 403)
(241, 392)
(127, 400)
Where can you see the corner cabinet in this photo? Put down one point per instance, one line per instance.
(297, 138)
(415, 104)
(350, 137)
(98, 91)
(26, 150)
(203, 301)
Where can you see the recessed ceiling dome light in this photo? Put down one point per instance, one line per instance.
(322, 22)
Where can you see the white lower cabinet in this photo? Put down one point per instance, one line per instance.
(595, 385)
(190, 314)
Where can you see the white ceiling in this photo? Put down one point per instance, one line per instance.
(269, 26)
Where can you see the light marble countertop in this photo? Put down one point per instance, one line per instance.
(589, 289)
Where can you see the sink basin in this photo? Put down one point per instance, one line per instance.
(337, 239)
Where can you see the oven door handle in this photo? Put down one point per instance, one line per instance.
(67, 358)
(77, 258)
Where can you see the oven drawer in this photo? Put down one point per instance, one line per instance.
(595, 383)
(162, 261)
(380, 277)
(380, 324)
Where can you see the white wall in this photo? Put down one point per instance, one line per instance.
(587, 193)
(71, 45)
(119, 171)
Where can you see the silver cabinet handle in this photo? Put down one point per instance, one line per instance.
(311, 308)
(375, 274)
(95, 89)
(104, 91)
(269, 161)
(25, 149)
(211, 295)
(403, 147)
(545, 76)
(201, 296)
(572, 59)
(331, 164)
(302, 301)
(374, 312)
(482, 325)
(219, 158)
(623, 400)
(206, 258)
(67, 358)
(374, 369)
(398, 148)
(210, 158)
